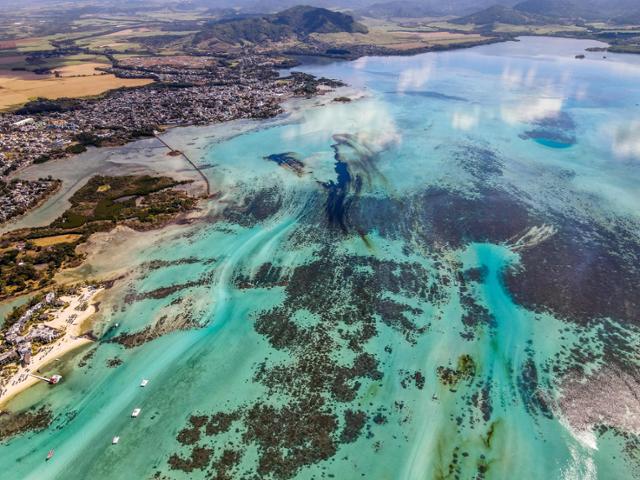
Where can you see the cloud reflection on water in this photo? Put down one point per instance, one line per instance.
(466, 120)
(416, 78)
(369, 120)
(626, 140)
(531, 111)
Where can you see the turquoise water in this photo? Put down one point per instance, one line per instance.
(416, 302)
(552, 143)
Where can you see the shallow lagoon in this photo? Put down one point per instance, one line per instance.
(382, 313)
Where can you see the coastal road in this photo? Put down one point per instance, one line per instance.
(204, 177)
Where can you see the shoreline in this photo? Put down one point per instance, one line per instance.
(70, 319)
(102, 156)
(503, 38)
(37, 204)
(72, 338)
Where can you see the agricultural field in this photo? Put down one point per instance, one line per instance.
(18, 87)
(539, 29)
(56, 239)
(130, 39)
(399, 39)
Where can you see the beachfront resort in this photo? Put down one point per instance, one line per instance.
(39, 332)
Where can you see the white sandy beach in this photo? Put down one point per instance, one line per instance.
(71, 320)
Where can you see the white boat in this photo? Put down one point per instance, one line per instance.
(115, 440)
(135, 413)
(144, 382)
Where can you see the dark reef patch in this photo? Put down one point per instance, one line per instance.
(300, 433)
(191, 434)
(554, 132)
(338, 202)
(570, 274)
(164, 292)
(162, 326)
(349, 298)
(416, 378)
(532, 396)
(465, 371)
(354, 422)
(288, 160)
(258, 206)
(335, 307)
(564, 274)
(158, 264)
(12, 424)
(481, 163)
(435, 95)
(220, 423)
(478, 274)
(114, 362)
(267, 276)
(200, 458)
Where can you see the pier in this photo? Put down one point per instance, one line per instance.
(204, 177)
(53, 380)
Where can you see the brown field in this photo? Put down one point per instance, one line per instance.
(12, 59)
(81, 69)
(8, 44)
(48, 241)
(185, 61)
(399, 39)
(128, 31)
(26, 44)
(17, 88)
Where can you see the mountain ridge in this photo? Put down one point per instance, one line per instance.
(293, 23)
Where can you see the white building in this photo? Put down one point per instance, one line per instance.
(24, 121)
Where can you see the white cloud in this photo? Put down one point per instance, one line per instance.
(368, 119)
(517, 78)
(415, 78)
(361, 63)
(466, 120)
(626, 140)
(534, 110)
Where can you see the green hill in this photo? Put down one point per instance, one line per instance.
(500, 14)
(631, 18)
(306, 20)
(295, 22)
(538, 12)
(554, 8)
(400, 9)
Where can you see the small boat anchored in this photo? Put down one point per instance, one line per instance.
(115, 440)
(50, 455)
(135, 413)
(144, 382)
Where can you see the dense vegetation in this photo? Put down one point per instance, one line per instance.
(295, 22)
(30, 258)
(501, 14)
